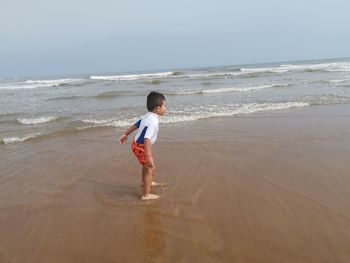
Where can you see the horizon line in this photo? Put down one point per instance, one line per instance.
(169, 69)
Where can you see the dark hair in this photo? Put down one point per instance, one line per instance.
(154, 99)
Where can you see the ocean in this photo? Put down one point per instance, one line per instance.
(35, 108)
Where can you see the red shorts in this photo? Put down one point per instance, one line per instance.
(139, 151)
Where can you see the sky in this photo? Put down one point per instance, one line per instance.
(59, 37)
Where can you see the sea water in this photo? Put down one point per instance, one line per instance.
(50, 106)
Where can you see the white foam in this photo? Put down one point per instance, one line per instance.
(240, 89)
(52, 81)
(232, 111)
(185, 92)
(39, 120)
(210, 74)
(199, 113)
(331, 67)
(228, 89)
(32, 84)
(243, 71)
(326, 99)
(338, 80)
(218, 74)
(19, 139)
(133, 76)
(264, 70)
(97, 122)
(109, 122)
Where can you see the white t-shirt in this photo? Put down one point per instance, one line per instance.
(147, 128)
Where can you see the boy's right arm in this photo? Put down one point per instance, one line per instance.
(124, 137)
(148, 153)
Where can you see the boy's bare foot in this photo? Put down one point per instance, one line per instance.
(149, 197)
(156, 184)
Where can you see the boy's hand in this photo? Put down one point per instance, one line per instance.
(149, 161)
(123, 138)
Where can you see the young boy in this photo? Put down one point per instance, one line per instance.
(146, 136)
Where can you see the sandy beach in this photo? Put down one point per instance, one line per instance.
(268, 187)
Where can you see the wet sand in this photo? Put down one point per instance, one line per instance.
(271, 187)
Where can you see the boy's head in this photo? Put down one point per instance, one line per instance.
(156, 103)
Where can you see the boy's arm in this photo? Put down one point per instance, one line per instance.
(148, 153)
(124, 137)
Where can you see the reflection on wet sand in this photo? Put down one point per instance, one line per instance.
(152, 235)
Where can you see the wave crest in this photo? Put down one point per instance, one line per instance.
(326, 67)
(229, 89)
(33, 121)
(240, 89)
(200, 113)
(9, 140)
(327, 99)
(133, 76)
(32, 84)
(232, 111)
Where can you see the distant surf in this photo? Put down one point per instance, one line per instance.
(242, 89)
(33, 84)
(133, 76)
(229, 89)
(231, 111)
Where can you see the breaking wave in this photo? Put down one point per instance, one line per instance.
(200, 113)
(232, 111)
(326, 99)
(229, 89)
(339, 80)
(134, 76)
(9, 140)
(240, 89)
(32, 84)
(32, 121)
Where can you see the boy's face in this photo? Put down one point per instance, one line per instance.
(160, 110)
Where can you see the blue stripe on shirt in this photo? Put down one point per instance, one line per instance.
(141, 138)
(138, 123)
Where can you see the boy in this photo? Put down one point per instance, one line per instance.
(146, 136)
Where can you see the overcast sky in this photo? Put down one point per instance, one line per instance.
(53, 37)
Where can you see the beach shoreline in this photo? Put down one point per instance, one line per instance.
(264, 187)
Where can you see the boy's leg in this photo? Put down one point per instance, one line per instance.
(153, 182)
(147, 175)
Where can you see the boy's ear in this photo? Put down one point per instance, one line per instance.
(156, 109)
